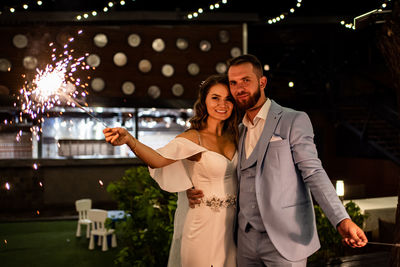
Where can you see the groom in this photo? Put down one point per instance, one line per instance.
(278, 170)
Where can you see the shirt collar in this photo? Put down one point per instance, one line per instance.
(261, 115)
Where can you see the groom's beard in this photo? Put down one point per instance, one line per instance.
(251, 102)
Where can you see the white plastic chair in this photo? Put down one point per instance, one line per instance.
(82, 207)
(98, 218)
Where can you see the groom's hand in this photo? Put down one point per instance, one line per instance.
(352, 234)
(194, 196)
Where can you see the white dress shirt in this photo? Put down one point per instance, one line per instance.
(255, 128)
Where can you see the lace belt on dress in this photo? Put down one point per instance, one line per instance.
(215, 203)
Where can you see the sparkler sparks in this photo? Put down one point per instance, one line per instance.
(55, 84)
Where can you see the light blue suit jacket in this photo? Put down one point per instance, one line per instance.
(288, 171)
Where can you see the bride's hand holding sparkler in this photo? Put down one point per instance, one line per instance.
(119, 136)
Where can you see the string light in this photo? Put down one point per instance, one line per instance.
(111, 4)
(14, 8)
(352, 25)
(272, 20)
(200, 10)
(25, 7)
(284, 15)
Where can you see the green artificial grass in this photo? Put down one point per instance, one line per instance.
(50, 243)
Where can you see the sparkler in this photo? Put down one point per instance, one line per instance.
(385, 244)
(55, 84)
(88, 112)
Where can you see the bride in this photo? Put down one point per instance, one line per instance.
(202, 157)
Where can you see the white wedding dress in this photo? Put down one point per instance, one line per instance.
(204, 234)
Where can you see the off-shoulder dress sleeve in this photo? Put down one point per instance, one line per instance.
(175, 177)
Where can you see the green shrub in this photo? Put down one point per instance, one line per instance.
(146, 234)
(331, 240)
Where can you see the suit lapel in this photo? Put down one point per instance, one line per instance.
(274, 115)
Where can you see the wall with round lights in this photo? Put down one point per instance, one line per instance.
(129, 63)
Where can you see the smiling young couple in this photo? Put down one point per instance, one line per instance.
(252, 185)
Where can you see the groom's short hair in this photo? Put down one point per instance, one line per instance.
(248, 58)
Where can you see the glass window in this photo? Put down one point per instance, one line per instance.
(70, 132)
(156, 127)
(77, 134)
